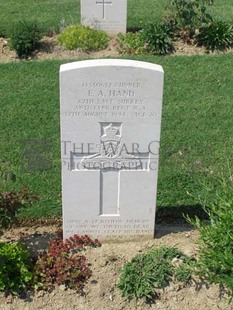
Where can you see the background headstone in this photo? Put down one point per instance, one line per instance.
(107, 15)
(110, 133)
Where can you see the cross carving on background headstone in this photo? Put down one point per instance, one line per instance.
(104, 3)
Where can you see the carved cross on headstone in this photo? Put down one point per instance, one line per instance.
(104, 3)
(112, 158)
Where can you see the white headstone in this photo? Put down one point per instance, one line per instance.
(107, 15)
(110, 133)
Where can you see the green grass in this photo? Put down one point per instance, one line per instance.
(223, 9)
(140, 12)
(196, 140)
(30, 110)
(51, 13)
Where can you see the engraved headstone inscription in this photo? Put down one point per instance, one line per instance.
(110, 134)
(107, 15)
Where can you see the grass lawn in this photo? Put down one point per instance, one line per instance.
(196, 141)
(52, 13)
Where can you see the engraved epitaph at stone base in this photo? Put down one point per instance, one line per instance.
(110, 133)
(107, 15)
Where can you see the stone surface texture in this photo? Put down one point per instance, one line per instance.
(107, 15)
(110, 133)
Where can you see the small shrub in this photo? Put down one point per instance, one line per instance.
(158, 37)
(190, 14)
(63, 264)
(70, 271)
(215, 35)
(11, 203)
(132, 43)
(85, 38)
(15, 267)
(216, 237)
(25, 38)
(169, 25)
(153, 269)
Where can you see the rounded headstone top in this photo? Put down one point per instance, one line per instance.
(110, 63)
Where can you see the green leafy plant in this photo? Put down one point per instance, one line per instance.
(15, 267)
(158, 37)
(215, 35)
(25, 38)
(63, 264)
(169, 25)
(85, 38)
(216, 237)
(132, 43)
(183, 273)
(190, 14)
(11, 203)
(156, 268)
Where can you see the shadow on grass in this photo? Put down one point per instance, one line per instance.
(171, 219)
(133, 29)
(175, 215)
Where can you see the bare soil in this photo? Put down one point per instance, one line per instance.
(101, 292)
(51, 50)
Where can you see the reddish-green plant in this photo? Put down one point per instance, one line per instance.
(63, 264)
(72, 245)
(11, 203)
(68, 270)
